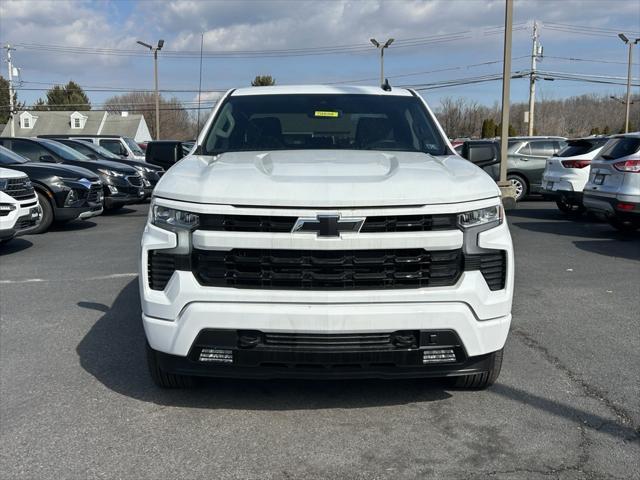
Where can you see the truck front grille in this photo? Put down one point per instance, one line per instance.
(284, 224)
(327, 270)
(19, 188)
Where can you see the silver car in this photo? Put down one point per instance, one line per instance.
(613, 189)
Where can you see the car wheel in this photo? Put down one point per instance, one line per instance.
(163, 379)
(569, 208)
(520, 185)
(478, 381)
(47, 214)
(626, 226)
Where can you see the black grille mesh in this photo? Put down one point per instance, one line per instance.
(493, 267)
(19, 188)
(326, 270)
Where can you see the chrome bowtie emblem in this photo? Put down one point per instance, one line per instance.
(328, 225)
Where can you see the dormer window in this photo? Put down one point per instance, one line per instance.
(78, 120)
(27, 121)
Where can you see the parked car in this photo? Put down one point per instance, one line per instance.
(121, 146)
(65, 192)
(165, 153)
(325, 232)
(567, 172)
(122, 185)
(20, 211)
(613, 189)
(527, 159)
(150, 173)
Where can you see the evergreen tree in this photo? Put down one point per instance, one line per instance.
(488, 128)
(4, 100)
(67, 97)
(263, 81)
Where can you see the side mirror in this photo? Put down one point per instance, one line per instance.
(483, 155)
(47, 158)
(124, 153)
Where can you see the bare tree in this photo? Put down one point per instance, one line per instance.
(175, 120)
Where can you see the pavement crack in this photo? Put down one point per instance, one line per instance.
(589, 390)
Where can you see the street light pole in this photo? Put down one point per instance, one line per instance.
(381, 47)
(630, 43)
(155, 51)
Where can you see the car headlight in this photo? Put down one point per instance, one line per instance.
(482, 216)
(172, 219)
(110, 173)
(3, 184)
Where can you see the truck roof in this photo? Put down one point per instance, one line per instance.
(321, 89)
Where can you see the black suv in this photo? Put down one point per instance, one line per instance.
(65, 192)
(150, 173)
(122, 185)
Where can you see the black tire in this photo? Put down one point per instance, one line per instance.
(163, 379)
(479, 381)
(569, 208)
(520, 184)
(47, 214)
(625, 226)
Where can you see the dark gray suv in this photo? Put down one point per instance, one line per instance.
(527, 159)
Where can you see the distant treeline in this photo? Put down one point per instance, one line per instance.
(570, 117)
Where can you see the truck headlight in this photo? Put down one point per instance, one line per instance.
(172, 219)
(482, 216)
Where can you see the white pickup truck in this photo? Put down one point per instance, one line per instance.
(325, 232)
(20, 210)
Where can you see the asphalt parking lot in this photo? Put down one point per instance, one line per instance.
(77, 402)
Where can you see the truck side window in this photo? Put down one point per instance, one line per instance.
(114, 146)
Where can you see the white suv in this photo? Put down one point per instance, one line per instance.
(567, 172)
(325, 232)
(20, 210)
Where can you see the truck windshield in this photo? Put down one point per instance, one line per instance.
(133, 146)
(340, 121)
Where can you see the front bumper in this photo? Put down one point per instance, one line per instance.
(175, 316)
(263, 361)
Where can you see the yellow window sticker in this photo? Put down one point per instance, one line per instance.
(319, 113)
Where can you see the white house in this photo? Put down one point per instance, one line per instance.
(89, 122)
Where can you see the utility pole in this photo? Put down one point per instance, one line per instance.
(507, 190)
(381, 47)
(200, 84)
(536, 51)
(630, 44)
(12, 126)
(155, 51)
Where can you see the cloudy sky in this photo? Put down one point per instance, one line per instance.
(94, 43)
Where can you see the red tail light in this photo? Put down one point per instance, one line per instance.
(575, 163)
(632, 166)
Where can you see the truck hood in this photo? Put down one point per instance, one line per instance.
(325, 178)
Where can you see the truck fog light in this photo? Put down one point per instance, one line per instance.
(216, 355)
(442, 355)
(113, 189)
(72, 197)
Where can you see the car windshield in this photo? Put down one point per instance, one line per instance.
(338, 121)
(133, 146)
(7, 157)
(67, 153)
(103, 152)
